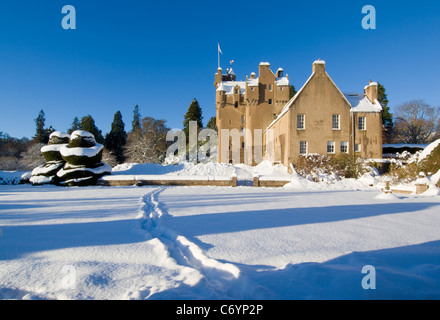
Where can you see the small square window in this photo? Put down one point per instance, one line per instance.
(344, 146)
(330, 147)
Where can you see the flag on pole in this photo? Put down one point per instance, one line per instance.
(219, 50)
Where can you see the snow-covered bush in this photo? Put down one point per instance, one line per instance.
(82, 156)
(317, 167)
(46, 173)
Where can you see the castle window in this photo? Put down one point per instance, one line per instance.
(270, 101)
(281, 88)
(236, 91)
(330, 147)
(242, 130)
(357, 148)
(242, 119)
(336, 122)
(270, 87)
(344, 146)
(236, 104)
(303, 147)
(301, 121)
(362, 123)
(242, 144)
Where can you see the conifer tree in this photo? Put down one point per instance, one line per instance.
(194, 113)
(387, 117)
(42, 134)
(116, 138)
(212, 124)
(76, 125)
(292, 91)
(87, 123)
(136, 123)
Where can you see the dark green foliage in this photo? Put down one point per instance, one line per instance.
(292, 91)
(52, 156)
(212, 124)
(136, 123)
(88, 124)
(41, 133)
(76, 125)
(83, 160)
(194, 113)
(387, 116)
(116, 138)
(431, 164)
(79, 141)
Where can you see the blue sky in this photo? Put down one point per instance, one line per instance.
(162, 54)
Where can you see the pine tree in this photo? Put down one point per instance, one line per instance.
(136, 123)
(39, 130)
(41, 133)
(116, 138)
(212, 124)
(292, 91)
(194, 113)
(387, 117)
(76, 125)
(88, 124)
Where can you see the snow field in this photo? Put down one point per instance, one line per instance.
(217, 243)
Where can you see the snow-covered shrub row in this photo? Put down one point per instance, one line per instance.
(46, 173)
(83, 160)
(71, 160)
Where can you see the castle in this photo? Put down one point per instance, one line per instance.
(258, 113)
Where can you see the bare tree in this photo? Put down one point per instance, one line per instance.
(415, 122)
(147, 144)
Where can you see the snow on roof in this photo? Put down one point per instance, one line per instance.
(360, 103)
(264, 64)
(253, 82)
(229, 86)
(319, 62)
(282, 81)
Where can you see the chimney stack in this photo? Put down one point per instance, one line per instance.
(372, 91)
(319, 66)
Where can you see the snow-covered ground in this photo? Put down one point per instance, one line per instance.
(304, 241)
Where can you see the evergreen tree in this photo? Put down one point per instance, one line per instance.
(41, 133)
(292, 91)
(212, 124)
(136, 123)
(88, 124)
(387, 117)
(76, 125)
(116, 138)
(194, 113)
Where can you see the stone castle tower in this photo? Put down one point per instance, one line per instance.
(248, 105)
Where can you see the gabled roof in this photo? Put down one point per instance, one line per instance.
(291, 101)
